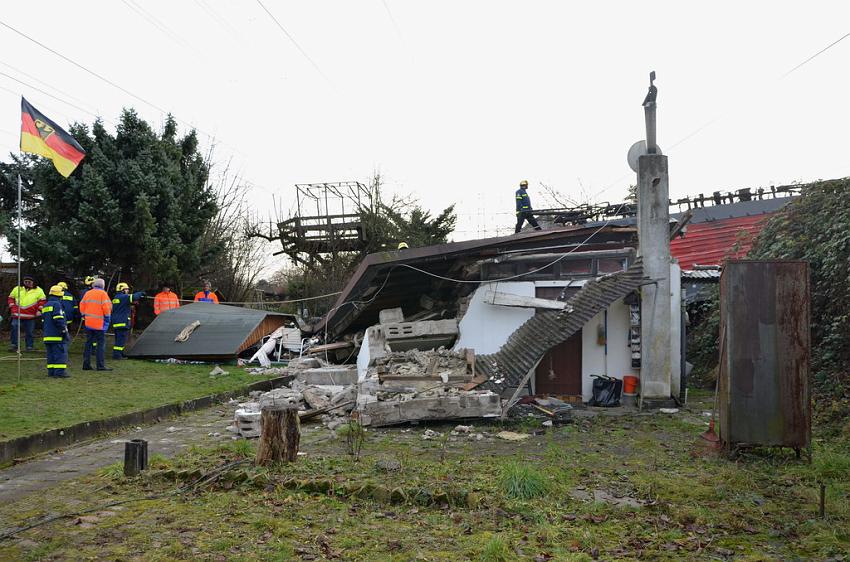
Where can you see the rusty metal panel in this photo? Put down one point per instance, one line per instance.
(764, 354)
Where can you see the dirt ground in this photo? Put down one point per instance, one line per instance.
(635, 486)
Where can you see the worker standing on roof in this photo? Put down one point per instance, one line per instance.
(25, 304)
(56, 333)
(96, 308)
(207, 294)
(69, 304)
(165, 300)
(122, 303)
(524, 212)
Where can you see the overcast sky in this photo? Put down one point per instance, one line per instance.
(455, 102)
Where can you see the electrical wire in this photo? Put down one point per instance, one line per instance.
(264, 302)
(102, 79)
(294, 42)
(37, 89)
(811, 58)
(519, 275)
(716, 119)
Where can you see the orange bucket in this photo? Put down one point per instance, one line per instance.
(630, 383)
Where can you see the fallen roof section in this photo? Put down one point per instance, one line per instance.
(386, 279)
(223, 333)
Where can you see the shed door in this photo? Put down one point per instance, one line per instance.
(560, 370)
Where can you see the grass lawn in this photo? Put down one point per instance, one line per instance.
(38, 403)
(460, 499)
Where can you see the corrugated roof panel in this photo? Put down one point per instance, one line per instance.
(709, 243)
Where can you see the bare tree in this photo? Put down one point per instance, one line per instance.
(235, 258)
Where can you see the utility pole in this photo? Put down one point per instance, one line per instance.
(654, 247)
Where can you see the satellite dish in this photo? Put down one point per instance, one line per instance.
(637, 150)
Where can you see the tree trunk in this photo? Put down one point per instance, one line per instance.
(280, 434)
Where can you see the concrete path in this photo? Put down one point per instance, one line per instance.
(204, 427)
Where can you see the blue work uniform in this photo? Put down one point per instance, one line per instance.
(55, 336)
(122, 319)
(70, 307)
(524, 210)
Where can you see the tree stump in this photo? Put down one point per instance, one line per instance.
(280, 434)
(135, 457)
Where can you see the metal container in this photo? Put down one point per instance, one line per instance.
(764, 354)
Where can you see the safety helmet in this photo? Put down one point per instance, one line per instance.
(57, 290)
(89, 280)
(523, 183)
(121, 286)
(28, 278)
(63, 285)
(403, 246)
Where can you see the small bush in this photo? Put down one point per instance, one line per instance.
(522, 481)
(496, 550)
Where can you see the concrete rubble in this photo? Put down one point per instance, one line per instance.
(397, 387)
(417, 385)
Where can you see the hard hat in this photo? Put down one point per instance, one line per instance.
(63, 285)
(57, 290)
(523, 183)
(121, 286)
(89, 280)
(28, 278)
(403, 246)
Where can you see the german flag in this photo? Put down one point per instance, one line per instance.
(40, 135)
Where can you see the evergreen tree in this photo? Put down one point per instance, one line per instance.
(139, 202)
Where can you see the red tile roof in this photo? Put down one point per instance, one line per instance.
(709, 243)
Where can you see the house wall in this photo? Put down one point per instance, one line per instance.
(486, 327)
(616, 360)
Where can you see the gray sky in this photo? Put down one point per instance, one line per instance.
(455, 102)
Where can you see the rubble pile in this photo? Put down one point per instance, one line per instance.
(422, 385)
(333, 402)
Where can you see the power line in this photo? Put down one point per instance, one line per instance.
(103, 79)
(294, 42)
(837, 41)
(75, 106)
(716, 119)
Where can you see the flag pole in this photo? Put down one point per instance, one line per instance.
(18, 323)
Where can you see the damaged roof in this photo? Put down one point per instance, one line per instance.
(387, 280)
(224, 331)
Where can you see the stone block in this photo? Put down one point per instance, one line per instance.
(390, 316)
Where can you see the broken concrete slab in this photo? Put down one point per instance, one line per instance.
(457, 405)
(426, 334)
(335, 375)
(390, 316)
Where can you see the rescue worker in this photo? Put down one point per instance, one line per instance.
(165, 300)
(69, 304)
(56, 333)
(25, 304)
(122, 304)
(206, 295)
(524, 212)
(402, 246)
(96, 308)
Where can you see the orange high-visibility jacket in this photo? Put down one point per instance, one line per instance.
(202, 296)
(95, 306)
(165, 301)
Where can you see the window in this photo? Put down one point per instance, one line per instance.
(610, 265)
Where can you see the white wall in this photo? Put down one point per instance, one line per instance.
(618, 360)
(486, 327)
